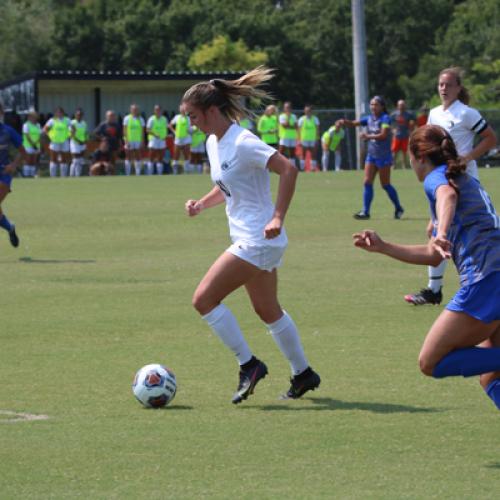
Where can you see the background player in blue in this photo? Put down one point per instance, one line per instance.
(379, 157)
(465, 338)
(8, 138)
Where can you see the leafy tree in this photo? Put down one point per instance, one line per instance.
(223, 54)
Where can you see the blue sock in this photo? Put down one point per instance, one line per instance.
(5, 223)
(468, 362)
(367, 198)
(493, 391)
(393, 195)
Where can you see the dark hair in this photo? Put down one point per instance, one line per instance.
(435, 143)
(457, 73)
(381, 101)
(226, 94)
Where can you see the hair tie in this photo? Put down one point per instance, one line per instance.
(215, 82)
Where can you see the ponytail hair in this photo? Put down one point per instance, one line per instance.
(227, 94)
(436, 144)
(457, 73)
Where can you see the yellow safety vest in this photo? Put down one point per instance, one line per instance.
(34, 132)
(197, 137)
(80, 130)
(134, 129)
(159, 127)
(268, 129)
(59, 132)
(308, 129)
(288, 133)
(181, 127)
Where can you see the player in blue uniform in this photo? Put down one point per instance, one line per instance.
(465, 338)
(379, 157)
(8, 138)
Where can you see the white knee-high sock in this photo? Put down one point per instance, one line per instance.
(79, 167)
(150, 169)
(436, 275)
(314, 165)
(138, 167)
(128, 167)
(64, 169)
(302, 165)
(26, 170)
(72, 167)
(286, 335)
(159, 168)
(223, 323)
(175, 167)
(53, 169)
(325, 158)
(338, 161)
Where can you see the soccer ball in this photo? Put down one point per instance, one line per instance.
(154, 386)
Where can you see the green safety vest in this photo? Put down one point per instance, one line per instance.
(159, 127)
(245, 123)
(80, 130)
(308, 129)
(332, 137)
(268, 129)
(197, 137)
(34, 133)
(288, 133)
(181, 127)
(59, 132)
(134, 129)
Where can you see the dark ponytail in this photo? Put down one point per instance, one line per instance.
(436, 144)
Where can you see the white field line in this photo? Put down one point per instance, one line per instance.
(20, 417)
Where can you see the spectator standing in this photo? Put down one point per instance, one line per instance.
(110, 129)
(58, 129)
(330, 141)
(31, 143)
(198, 139)
(402, 122)
(157, 129)
(267, 126)
(309, 137)
(133, 137)
(180, 126)
(288, 131)
(78, 143)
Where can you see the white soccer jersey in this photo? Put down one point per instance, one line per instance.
(238, 165)
(462, 122)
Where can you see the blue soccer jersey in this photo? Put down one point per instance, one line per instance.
(475, 230)
(8, 137)
(374, 125)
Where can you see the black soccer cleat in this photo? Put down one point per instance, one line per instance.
(398, 213)
(361, 215)
(14, 239)
(248, 380)
(425, 296)
(308, 380)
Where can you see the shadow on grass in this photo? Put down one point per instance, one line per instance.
(493, 465)
(330, 404)
(174, 407)
(29, 260)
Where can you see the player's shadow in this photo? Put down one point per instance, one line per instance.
(29, 260)
(330, 404)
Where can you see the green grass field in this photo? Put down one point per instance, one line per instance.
(101, 285)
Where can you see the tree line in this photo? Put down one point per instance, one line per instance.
(307, 41)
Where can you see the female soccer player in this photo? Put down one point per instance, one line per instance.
(133, 138)
(198, 138)
(8, 137)
(467, 230)
(31, 143)
(179, 126)
(157, 129)
(379, 157)
(463, 124)
(58, 130)
(240, 165)
(78, 143)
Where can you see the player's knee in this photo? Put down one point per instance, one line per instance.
(201, 302)
(425, 364)
(268, 313)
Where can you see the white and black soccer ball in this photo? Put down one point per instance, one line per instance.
(154, 386)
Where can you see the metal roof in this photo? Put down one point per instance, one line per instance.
(51, 74)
